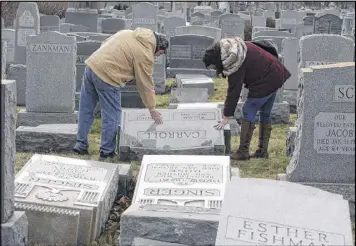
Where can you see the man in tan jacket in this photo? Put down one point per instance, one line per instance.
(127, 55)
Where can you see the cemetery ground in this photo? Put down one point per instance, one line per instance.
(254, 168)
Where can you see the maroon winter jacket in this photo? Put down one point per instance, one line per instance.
(261, 73)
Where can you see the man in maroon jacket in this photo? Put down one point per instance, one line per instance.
(261, 72)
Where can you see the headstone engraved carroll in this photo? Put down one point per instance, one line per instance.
(263, 213)
(55, 190)
(183, 131)
(186, 55)
(14, 224)
(51, 68)
(145, 15)
(27, 23)
(182, 180)
(328, 118)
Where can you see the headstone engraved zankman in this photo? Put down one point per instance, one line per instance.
(78, 193)
(182, 180)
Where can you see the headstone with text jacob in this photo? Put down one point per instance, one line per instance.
(187, 131)
(182, 180)
(27, 23)
(66, 200)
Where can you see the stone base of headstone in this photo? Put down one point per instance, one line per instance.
(171, 72)
(125, 176)
(15, 230)
(347, 191)
(280, 113)
(192, 225)
(144, 242)
(25, 118)
(290, 145)
(46, 138)
(128, 153)
(290, 96)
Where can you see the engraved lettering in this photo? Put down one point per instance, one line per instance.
(50, 48)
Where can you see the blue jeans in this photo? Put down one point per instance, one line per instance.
(95, 90)
(264, 105)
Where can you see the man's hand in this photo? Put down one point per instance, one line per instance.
(222, 123)
(156, 116)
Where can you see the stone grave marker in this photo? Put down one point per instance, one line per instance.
(112, 25)
(27, 23)
(198, 83)
(145, 15)
(272, 33)
(46, 138)
(14, 224)
(77, 37)
(289, 19)
(189, 95)
(3, 58)
(207, 31)
(159, 74)
(17, 72)
(66, 200)
(130, 97)
(231, 25)
(101, 37)
(215, 15)
(323, 49)
(51, 68)
(258, 20)
(85, 17)
(328, 23)
(198, 14)
(263, 212)
(269, 14)
(182, 180)
(186, 55)
(171, 23)
(68, 27)
(308, 28)
(49, 23)
(183, 131)
(9, 35)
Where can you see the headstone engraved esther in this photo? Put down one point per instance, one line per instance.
(182, 180)
(262, 212)
(14, 224)
(145, 15)
(66, 200)
(187, 131)
(49, 23)
(27, 23)
(186, 54)
(51, 69)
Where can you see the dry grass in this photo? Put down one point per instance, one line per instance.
(276, 163)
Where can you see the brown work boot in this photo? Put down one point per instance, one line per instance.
(243, 152)
(265, 133)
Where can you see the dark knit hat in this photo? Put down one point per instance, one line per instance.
(161, 42)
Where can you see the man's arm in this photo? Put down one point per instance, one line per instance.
(144, 81)
(235, 81)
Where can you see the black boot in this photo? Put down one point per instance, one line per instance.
(243, 152)
(264, 135)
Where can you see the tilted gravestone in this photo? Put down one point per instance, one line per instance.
(263, 212)
(51, 68)
(66, 200)
(182, 180)
(145, 15)
(27, 23)
(49, 23)
(14, 224)
(186, 55)
(183, 131)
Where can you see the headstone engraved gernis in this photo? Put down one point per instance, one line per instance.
(145, 15)
(66, 200)
(27, 23)
(14, 224)
(182, 180)
(183, 132)
(186, 54)
(51, 58)
(262, 212)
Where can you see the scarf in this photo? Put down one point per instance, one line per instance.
(233, 53)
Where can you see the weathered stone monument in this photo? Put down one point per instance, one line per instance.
(3, 58)
(17, 72)
(231, 25)
(14, 224)
(50, 89)
(85, 17)
(49, 23)
(67, 201)
(8, 35)
(145, 15)
(27, 23)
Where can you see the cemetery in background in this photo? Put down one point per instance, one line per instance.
(174, 184)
